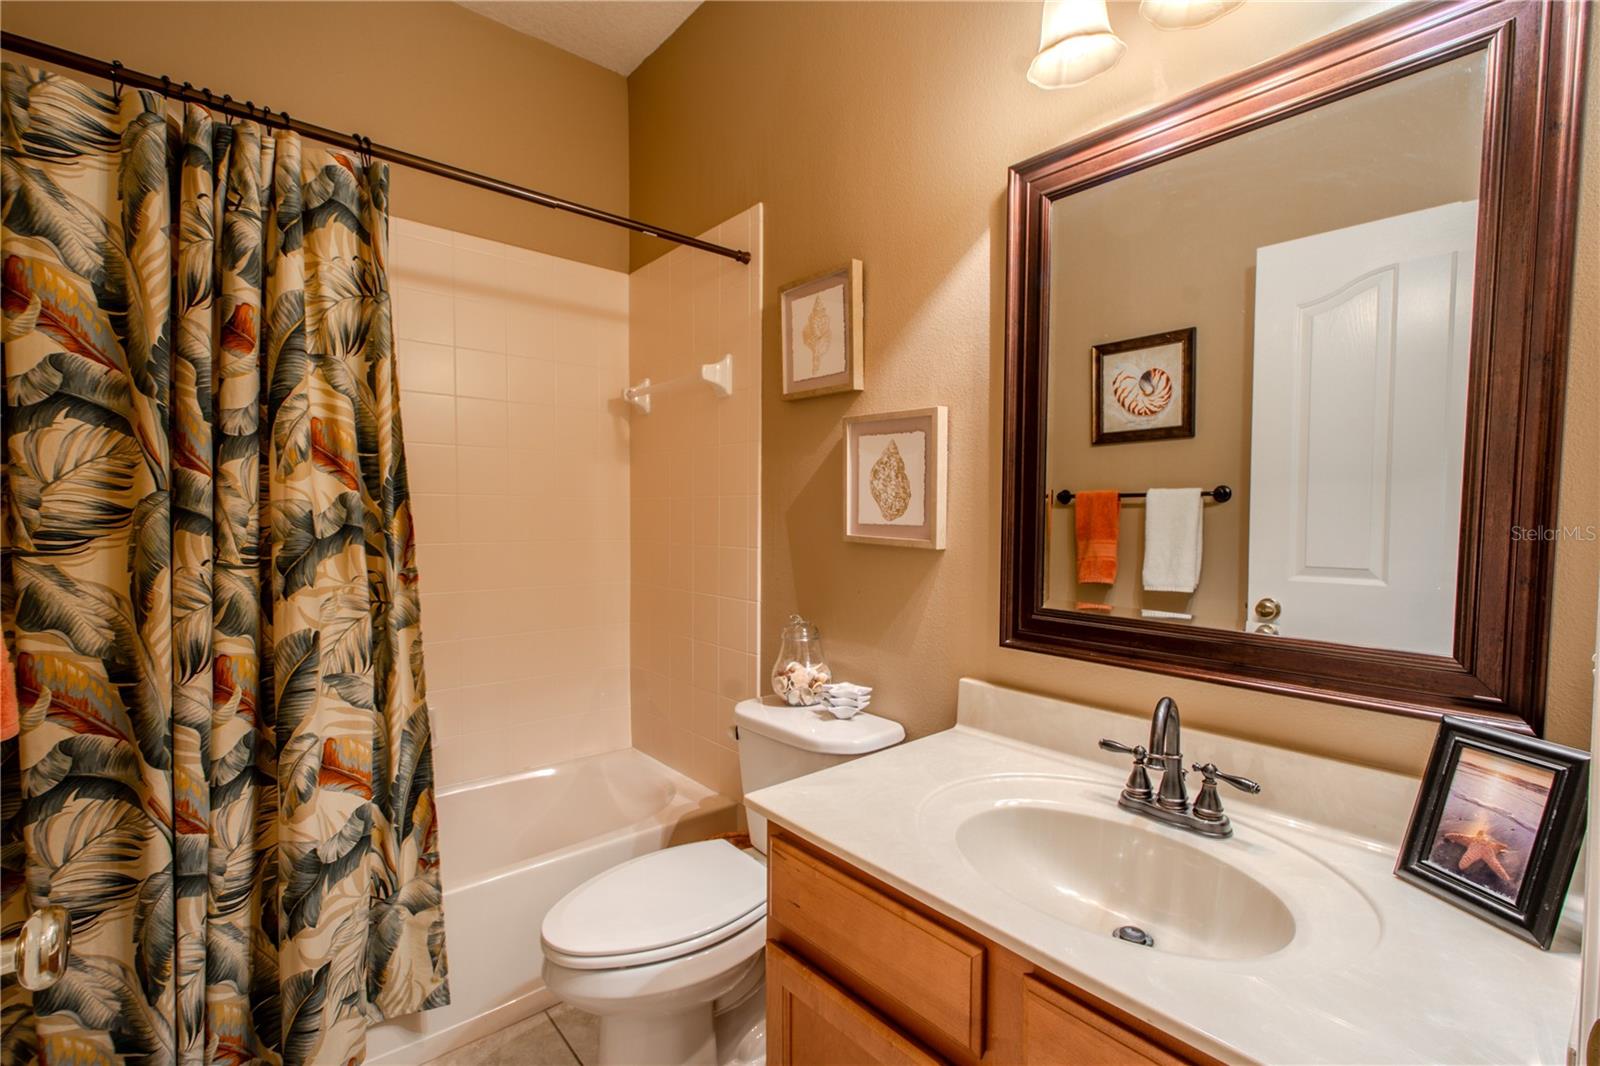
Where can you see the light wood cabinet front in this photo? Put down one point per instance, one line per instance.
(934, 972)
(813, 1022)
(860, 973)
(1058, 1029)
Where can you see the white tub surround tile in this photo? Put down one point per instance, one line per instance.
(521, 514)
(695, 494)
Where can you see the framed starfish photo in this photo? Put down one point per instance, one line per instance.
(895, 468)
(1497, 825)
(822, 319)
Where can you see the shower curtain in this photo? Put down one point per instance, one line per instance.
(226, 772)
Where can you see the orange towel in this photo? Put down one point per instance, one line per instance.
(9, 720)
(1099, 518)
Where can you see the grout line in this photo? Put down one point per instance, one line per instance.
(557, 1027)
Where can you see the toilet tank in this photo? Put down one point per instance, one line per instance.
(779, 743)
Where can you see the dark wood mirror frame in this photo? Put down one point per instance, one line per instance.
(1534, 54)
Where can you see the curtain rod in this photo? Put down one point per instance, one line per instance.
(118, 74)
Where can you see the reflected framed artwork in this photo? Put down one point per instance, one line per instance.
(1144, 388)
(895, 468)
(1497, 825)
(822, 334)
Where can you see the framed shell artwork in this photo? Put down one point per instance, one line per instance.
(1144, 388)
(822, 340)
(895, 469)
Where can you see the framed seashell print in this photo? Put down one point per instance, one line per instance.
(895, 469)
(1144, 388)
(822, 337)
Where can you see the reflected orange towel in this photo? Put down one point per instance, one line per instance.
(1099, 517)
(9, 721)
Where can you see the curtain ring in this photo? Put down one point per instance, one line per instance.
(166, 85)
(116, 81)
(287, 121)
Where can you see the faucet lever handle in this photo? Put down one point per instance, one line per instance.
(1138, 786)
(1212, 775)
(1137, 751)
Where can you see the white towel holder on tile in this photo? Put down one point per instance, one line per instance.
(718, 375)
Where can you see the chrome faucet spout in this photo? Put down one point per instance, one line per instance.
(1166, 746)
(1165, 730)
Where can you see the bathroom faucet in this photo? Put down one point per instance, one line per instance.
(1166, 747)
(1170, 804)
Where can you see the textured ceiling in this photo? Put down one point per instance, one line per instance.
(616, 34)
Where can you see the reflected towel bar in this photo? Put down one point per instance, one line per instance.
(1222, 494)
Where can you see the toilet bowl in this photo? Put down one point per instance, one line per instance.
(667, 948)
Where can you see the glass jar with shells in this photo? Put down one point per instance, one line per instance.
(801, 670)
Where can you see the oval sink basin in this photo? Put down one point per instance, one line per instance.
(1101, 874)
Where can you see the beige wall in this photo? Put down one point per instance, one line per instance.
(1174, 246)
(430, 78)
(696, 504)
(510, 365)
(883, 132)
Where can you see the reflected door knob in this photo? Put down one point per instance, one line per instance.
(1268, 608)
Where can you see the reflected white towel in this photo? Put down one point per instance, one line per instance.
(1172, 540)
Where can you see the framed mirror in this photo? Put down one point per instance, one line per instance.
(1327, 300)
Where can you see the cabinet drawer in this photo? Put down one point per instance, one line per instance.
(870, 939)
(813, 1022)
(1057, 1028)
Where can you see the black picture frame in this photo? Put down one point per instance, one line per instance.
(1513, 869)
(1182, 391)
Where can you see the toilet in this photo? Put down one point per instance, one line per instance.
(667, 948)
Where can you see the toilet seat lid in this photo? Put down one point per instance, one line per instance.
(667, 897)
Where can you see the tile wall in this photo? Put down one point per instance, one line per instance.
(511, 365)
(696, 483)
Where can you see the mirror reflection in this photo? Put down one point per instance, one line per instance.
(1285, 315)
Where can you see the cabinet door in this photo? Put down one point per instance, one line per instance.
(869, 940)
(1057, 1030)
(813, 1022)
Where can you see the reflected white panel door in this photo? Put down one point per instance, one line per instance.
(1358, 425)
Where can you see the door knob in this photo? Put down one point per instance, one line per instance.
(1267, 629)
(1268, 608)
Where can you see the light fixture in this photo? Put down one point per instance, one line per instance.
(1075, 44)
(1184, 14)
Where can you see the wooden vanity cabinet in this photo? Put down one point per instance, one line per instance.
(858, 973)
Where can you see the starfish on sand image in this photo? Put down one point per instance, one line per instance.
(1481, 847)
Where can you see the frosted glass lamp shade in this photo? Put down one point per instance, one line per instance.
(1184, 14)
(1075, 44)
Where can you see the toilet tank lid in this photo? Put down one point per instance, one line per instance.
(813, 729)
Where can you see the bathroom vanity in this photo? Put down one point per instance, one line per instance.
(860, 973)
(956, 899)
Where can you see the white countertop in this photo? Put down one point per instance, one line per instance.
(1424, 983)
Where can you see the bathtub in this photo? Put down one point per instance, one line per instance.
(511, 847)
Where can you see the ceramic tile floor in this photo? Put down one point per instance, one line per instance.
(560, 1036)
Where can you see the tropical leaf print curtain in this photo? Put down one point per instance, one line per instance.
(225, 765)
